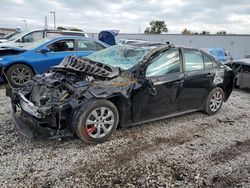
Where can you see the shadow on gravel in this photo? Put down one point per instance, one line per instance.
(246, 90)
(234, 179)
(231, 152)
(3, 85)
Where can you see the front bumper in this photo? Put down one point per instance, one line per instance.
(30, 122)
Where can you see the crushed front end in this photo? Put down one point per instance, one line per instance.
(46, 106)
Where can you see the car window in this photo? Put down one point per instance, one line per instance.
(34, 36)
(193, 60)
(89, 45)
(208, 62)
(166, 63)
(62, 45)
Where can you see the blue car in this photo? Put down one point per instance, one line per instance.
(20, 64)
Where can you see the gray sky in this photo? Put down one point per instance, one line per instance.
(129, 16)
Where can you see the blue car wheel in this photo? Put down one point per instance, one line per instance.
(19, 74)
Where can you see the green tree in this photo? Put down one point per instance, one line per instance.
(156, 27)
(75, 29)
(61, 28)
(70, 29)
(186, 32)
(205, 33)
(221, 32)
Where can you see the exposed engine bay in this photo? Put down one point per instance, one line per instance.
(51, 100)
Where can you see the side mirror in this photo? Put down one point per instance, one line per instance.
(45, 50)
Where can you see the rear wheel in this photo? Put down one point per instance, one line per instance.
(214, 101)
(96, 121)
(19, 74)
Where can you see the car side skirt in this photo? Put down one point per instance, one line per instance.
(167, 116)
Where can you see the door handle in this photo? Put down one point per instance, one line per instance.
(179, 81)
(209, 75)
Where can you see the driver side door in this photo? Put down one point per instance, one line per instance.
(165, 72)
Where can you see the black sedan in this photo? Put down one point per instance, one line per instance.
(121, 85)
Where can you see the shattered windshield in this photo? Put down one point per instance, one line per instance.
(122, 56)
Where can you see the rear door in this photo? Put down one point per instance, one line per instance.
(198, 82)
(86, 47)
(165, 73)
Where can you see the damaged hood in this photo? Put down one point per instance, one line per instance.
(87, 66)
(76, 79)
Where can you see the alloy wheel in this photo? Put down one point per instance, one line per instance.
(20, 76)
(100, 122)
(216, 101)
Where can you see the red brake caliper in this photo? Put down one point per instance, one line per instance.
(88, 130)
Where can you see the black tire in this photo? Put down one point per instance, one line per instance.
(213, 103)
(24, 71)
(87, 132)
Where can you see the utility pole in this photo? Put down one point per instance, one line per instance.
(54, 14)
(25, 23)
(45, 22)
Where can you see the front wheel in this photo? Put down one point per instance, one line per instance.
(96, 121)
(214, 101)
(19, 74)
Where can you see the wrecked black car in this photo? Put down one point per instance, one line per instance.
(121, 85)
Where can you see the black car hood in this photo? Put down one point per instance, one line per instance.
(7, 50)
(87, 66)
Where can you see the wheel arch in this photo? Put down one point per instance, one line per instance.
(15, 63)
(225, 97)
(124, 107)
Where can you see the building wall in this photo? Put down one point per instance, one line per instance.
(237, 45)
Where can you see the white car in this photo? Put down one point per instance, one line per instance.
(30, 36)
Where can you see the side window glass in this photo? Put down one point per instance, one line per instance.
(35, 36)
(89, 45)
(208, 62)
(215, 64)
(166, 63)
(193, 60)
(62, 45)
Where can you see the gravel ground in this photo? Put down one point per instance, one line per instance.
(194, 150)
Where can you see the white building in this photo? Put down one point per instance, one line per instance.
(237, 45)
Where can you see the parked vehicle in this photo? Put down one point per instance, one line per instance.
(123, 85)
(242, 69)
(222, 55)
(7, 37)
(108, 36)
(21, 64)
(20, 39)
(131, 42)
